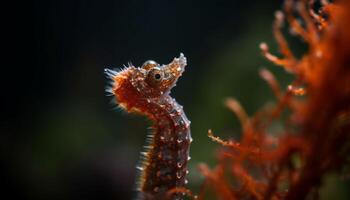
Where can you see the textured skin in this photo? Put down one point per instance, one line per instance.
(163, 165)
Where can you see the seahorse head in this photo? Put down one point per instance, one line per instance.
(134, 87)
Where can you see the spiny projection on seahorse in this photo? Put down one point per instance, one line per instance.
(146, 90)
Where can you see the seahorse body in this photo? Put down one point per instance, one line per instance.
(146, 90)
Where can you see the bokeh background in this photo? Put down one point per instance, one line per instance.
(61, 137)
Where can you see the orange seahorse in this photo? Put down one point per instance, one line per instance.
(146, 90)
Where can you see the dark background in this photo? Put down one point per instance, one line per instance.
(61, 138)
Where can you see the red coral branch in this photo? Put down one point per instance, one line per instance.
(316, 138)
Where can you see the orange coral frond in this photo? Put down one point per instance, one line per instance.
(281, 41)
(237, 109)
(223, 142)
(271, 80)
(220, 186)
(274, 59)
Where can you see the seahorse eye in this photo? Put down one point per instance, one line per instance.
(149, 64)
(155, 76)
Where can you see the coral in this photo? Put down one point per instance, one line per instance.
(316, 134)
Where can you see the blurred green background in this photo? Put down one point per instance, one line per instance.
(61, 138)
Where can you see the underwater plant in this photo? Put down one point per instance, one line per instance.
(314, 111)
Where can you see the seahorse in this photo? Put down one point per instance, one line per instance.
(146, 90)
